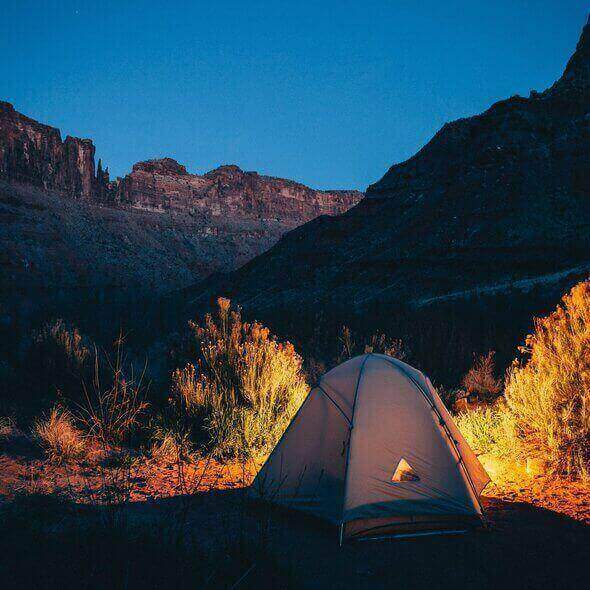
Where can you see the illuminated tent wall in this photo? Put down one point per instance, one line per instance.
(374, 451)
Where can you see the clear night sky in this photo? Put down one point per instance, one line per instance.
(328, 93)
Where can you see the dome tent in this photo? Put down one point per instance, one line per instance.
(374, 450)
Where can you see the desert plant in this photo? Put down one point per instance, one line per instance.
(169, 443)
(7, 427)
(115, 400)
(481, 378)
(488, 430)
(58, 356)
(243, 387)
(59, 436)
(378, 343)
(548, 393)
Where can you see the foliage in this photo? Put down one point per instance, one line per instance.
(170, 443)
(60, 438)
(115, 400)
(378, 342)
(481, 379)
(59, 355)
(243, 386)
(487, 430)
(548, 393)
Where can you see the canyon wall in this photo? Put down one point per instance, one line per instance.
(33, 153)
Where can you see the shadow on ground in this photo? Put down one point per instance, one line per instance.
(220, 539)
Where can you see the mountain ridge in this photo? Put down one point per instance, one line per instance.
(497, 198)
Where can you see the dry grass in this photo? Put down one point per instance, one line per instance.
(169, 444)
(115, 401)
(243, 386)
(378, 343)
(549, 393)
(60, 438)
(8, 428)
(481, 379)
(64, 338)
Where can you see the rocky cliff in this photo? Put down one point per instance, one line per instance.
(492, 216)
(229, 191)
(65, 224)
(33, 153)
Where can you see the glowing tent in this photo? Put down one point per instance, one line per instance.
(374, 450)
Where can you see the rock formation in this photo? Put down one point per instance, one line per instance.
(33, 153)
(157, 229)
(229, 191)
(493, 212)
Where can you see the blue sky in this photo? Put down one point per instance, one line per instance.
(327, 93)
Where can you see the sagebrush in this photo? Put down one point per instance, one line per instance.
(243, 386)
(548, 392)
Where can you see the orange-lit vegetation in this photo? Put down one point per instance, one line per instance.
(242, 386)
(481, 380)
(545, 412)
(115, 401)
(548, 393)
(60, 438)
(237, 387)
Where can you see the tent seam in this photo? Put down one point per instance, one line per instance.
(350, 429)
(318, 386)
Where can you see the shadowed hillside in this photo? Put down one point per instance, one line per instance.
(491, 216)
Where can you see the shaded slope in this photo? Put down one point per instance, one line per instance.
(498, 197)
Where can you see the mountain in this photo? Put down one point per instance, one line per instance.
(65, 224)
(489, 221)
(35, 154)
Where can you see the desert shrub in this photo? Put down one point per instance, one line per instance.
(169, 443)
(548, 392)
(481, 378)
(115, 400)
(7, 427)
(488, 430)
(59, 357)
(59, 436)
(351, 346)
(243, 386)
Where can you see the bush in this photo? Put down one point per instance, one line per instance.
(487, 430)
(481, 380)
(169, 443)
(548, 394)
(59, 356)
(7, 428)
(378, 343)
(115, 401)
(60, 438)
(243, 387)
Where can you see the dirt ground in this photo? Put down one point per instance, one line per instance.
(538, 534)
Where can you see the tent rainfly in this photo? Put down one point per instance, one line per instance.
(374, 451)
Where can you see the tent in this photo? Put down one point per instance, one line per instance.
(374, 451)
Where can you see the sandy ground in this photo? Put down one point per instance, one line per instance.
(538, 534)
(151, 480)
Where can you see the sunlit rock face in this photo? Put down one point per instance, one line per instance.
(228, 191)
